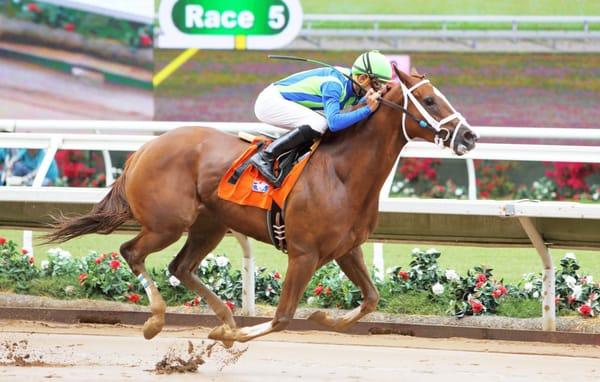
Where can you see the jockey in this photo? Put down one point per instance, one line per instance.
(291, 103)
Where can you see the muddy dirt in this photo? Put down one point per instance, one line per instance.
(94, 352)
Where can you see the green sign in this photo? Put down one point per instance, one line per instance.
(237, 17)
(228, 24)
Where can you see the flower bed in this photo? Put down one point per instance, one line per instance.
(423, 283)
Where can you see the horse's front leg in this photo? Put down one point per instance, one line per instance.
(300, 270)
(353, 265)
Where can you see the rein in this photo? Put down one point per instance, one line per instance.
(428, 123)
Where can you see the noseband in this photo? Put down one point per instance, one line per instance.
(441, 134)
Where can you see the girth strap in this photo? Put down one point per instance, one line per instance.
(276, 227)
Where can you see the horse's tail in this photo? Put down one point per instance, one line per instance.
(105, 217)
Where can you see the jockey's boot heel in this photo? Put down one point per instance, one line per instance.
(264, 160)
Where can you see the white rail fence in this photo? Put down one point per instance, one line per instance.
(319, 26)
(524, 211)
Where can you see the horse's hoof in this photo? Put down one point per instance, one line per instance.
(152, 327)
(224, 334)
(319, 317)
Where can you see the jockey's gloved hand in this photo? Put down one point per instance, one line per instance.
(373, 99)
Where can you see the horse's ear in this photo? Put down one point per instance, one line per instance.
(401, 75)
(415, 73)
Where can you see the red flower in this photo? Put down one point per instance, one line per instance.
(230, 305)
(404, 275)
(99, 259)
(24, 251)
(134, 297)
(276, 275)
(327, 291)
(145, 40)
(34, 8)
(497, 293)
(479, 284)
(31, 260)
(481, 278)
(2, 240)
(115, 264)
(318, 290)
(69, 27)
(196, 301)
(585, 310)
(82, 278)
(476, 305)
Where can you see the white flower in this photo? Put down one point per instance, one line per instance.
(570, 281)
(395, 189)
(589, 279)
(536, 294)
(431, 251)
(174, 281)
(310, 300)
(221, 261)
(210, 256)
(459, 192)
(570, 255)
(577, 290)
(451, 275)
(416, 250)
(437, 289)
(528, 287)
(44, 264)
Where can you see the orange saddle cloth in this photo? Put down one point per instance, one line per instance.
(251, 188)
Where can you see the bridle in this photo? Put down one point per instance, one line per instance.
(441, 134)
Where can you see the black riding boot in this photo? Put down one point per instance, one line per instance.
(264, 160)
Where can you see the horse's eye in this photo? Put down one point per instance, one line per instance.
(429, 101)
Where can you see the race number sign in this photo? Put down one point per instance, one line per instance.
(231, 24)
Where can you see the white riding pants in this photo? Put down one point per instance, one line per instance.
(272, 108)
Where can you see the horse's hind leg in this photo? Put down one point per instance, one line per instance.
(203, 237)
(135, 252)
(353, 265)
(300, 269)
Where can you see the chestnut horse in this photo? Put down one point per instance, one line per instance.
(170, 186)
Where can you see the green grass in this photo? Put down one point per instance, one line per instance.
(455, 7)
(508, 263)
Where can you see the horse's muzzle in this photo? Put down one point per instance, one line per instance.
(464, 141)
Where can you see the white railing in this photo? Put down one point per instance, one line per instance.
(519, 152)
(336, 26)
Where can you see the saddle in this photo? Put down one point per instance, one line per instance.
(244, 185)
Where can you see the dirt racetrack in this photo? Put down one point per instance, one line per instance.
(40, 352)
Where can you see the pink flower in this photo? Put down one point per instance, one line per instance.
(31, 260)
(476, 305)
(570, 299)
(114, 255)
(479, 284)
(481, 278)
(585, 310)
(82, 278)
(115, 264)
(230, 305)
(404, 275)
(318, 290)
(276, 275)
(134, 297)
(327, 291)
(24, 251)
(497, 293)
(69, 27)
(98, 260)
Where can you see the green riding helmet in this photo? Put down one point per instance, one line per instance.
(374, 64)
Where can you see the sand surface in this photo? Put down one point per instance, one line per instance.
(119, 353)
